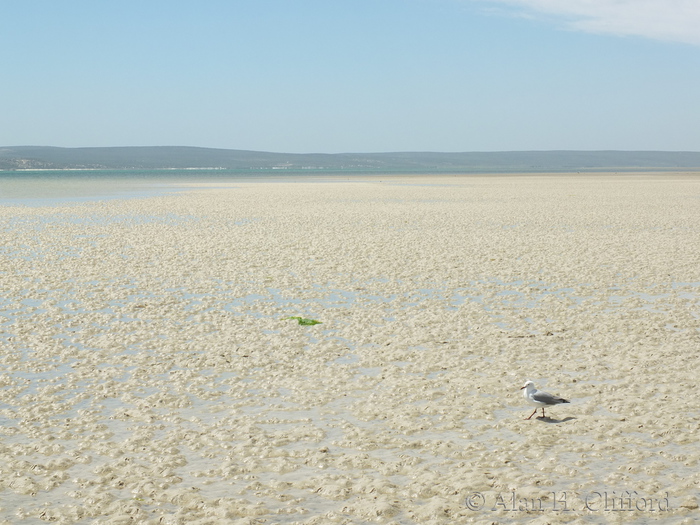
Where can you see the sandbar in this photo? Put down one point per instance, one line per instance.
(153, 368)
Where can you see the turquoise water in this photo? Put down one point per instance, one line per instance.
(51, 187)
(46, 188)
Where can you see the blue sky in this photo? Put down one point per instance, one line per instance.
(352, 76)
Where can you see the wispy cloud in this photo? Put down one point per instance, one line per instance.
(671, 20)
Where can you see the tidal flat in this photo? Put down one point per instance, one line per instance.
(152, 369)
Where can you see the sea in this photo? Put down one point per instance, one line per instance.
(53, 187)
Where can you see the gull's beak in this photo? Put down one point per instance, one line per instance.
(522, 387)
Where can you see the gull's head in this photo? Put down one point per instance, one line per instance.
(528, 385)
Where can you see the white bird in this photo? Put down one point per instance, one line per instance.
(539, 398)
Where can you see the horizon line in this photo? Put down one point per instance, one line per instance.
(368, 152)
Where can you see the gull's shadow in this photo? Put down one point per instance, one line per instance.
(550, 420)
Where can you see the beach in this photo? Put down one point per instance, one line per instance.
(159, 363)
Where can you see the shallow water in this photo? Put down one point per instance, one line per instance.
(148, 370)
(51, 188)
(63, 187)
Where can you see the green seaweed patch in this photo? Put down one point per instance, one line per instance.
(303, 321)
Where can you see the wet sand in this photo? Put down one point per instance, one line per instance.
(149, 372)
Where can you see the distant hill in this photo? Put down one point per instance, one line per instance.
(177, 157)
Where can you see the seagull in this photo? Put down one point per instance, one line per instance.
(539, 398)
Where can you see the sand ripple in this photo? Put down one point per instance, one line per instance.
(149, 373)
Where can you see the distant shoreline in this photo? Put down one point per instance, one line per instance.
(172, 158)
(631, 170)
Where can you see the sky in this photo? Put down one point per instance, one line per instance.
(335, 76)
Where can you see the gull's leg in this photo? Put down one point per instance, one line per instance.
(543, 412)
(535, 412)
